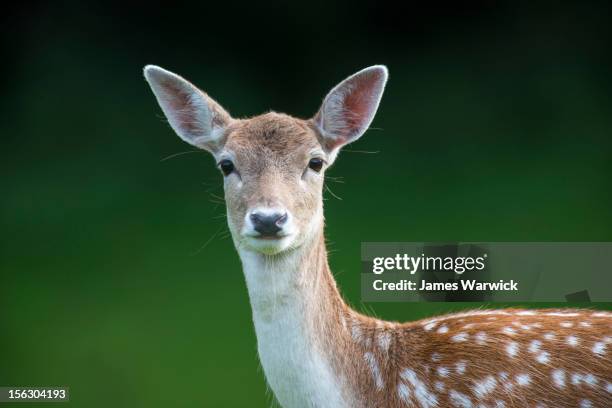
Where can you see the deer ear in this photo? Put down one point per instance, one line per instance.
(349, 108)
(195, 117)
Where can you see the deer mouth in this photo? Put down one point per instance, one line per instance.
(266, 237)
(269, 237)
(268, 244)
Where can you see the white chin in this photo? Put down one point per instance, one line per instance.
(268, 246)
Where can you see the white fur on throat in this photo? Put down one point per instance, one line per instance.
(297, 372)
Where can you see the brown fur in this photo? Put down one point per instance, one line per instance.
(412, 346)
(271, 155)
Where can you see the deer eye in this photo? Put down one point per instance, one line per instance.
(226, 166)
(315, 164)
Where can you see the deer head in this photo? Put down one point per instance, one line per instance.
(273, 164)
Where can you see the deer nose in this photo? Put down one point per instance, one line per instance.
(268, 224)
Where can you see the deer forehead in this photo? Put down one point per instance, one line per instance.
(272, 139)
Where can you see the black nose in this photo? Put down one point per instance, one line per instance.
(268, 224)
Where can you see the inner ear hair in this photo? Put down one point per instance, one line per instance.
(349, 108)
(193, 115)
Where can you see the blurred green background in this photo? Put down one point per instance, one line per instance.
(116, 274)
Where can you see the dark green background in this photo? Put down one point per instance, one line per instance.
(117, 277)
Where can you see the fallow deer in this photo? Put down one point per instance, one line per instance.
(318, 352)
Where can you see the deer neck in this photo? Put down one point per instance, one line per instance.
(297, 312)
